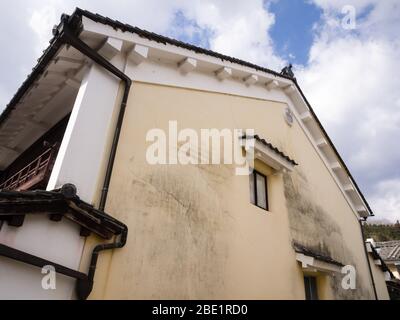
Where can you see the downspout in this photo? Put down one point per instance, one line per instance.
(366, 256)
(67, 32)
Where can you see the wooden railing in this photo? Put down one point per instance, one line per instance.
(34, 173)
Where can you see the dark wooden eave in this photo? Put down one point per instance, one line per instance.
(14, 206)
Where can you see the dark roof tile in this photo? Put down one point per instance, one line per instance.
(299, 248)
(269, 145)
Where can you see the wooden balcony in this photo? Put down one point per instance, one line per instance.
(35, 173)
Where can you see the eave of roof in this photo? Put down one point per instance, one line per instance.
(269, 145)
(55, 44)
(376, 256)
(389, 250)
(315, 254)
(165, 40)
(57, 203)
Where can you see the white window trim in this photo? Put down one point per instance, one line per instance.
(271, 158)
(312, 264)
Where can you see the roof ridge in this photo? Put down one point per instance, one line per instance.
(165, 39)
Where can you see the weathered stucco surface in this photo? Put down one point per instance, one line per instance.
(312, 226)
(192, 230)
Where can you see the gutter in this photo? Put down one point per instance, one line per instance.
(67, 31)
(366, 256)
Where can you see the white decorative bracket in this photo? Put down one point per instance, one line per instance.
(272, 85)
(306, 116)
(187, 65)
(224, 73)
(290, 89)
(111, 48)
(138, 54)
(251, 79)
(321, 143)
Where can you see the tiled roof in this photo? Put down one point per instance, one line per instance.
(165, 40)
(299, 248)
(376, 256)
(59, 203)
(269, 145)
(389, 250)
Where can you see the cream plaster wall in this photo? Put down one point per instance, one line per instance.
(192, 230)
(380, 283)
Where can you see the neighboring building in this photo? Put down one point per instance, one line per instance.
(390, 253)
(382, 256)
(196, 231)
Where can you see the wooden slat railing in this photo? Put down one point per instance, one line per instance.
(32, 174)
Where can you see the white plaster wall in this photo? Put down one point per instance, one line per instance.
(57, 242)
(79, 162)
(168, 74)
(81, 152)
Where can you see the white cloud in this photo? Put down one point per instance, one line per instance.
(42, 21)
(352, 82)
(386, 199)
(240, 29)
(3, 96)
(337, 5)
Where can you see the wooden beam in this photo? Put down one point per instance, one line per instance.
(73, 83)
(13, 151)
(68, 63)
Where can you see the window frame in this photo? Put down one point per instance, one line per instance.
(253, 175)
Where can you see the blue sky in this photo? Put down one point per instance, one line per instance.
(292, 32)
(292, 36)
(350, 76)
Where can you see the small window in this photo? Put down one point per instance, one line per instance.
(310, 285)
(258, 190)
